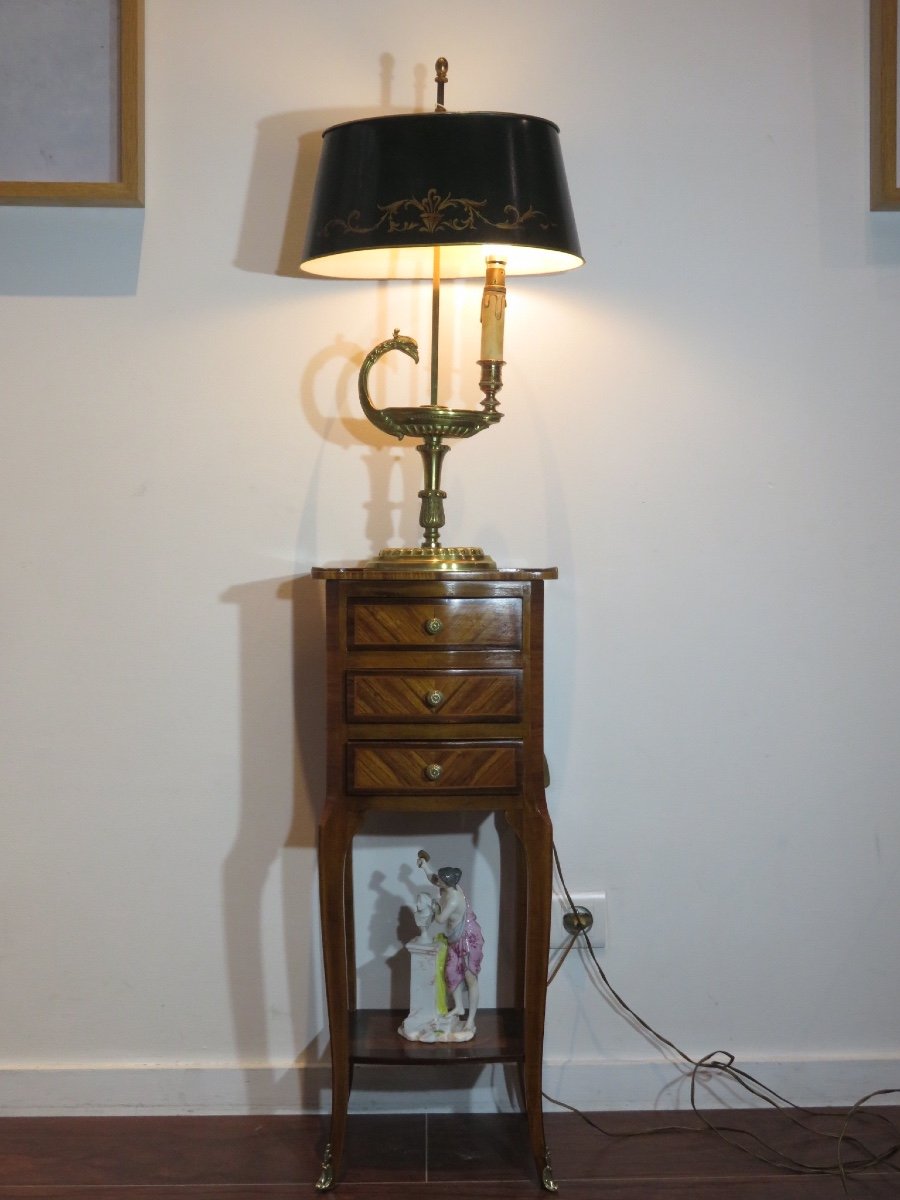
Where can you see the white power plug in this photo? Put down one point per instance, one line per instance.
(593, 919)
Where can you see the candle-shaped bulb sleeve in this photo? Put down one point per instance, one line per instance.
(493, 309)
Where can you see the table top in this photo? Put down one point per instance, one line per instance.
(414, 575)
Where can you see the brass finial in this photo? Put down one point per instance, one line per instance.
(440, 78)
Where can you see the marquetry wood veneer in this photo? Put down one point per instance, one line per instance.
(435, 704)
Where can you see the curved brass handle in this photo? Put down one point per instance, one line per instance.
(379, 417)
(434, 625)
(434, 771)
(434, 699)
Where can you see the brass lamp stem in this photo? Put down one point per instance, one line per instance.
(431, 513)
(435, 321)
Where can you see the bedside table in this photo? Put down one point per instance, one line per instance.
(435, 704)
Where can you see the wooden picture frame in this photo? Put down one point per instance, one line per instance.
(883, 117)
(120, 122)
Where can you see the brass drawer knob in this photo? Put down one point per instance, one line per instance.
(434, 625)
(434, 699)
(434, 771)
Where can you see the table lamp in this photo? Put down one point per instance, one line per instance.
(441, 195)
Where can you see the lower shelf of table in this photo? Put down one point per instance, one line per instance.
(374, 1039)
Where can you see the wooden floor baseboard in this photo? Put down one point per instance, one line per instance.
(483, 1157)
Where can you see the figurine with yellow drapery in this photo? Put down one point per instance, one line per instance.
(445, 965)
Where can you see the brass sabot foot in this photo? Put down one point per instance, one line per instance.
(325, 1182)
(547, 1181)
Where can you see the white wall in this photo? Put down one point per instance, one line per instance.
(702, 432)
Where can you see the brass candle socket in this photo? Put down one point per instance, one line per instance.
(491, 382)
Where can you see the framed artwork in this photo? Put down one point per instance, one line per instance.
(885, 186)
(72, 102)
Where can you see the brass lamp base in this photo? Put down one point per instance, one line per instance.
(432, 423)
(427, 558)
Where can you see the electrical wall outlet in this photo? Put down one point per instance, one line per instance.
(595, 904)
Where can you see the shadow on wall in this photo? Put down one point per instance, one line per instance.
(51, 251)
(280, 190)
(271, 241)
(392, 472)
(272, 235)
(275, 826)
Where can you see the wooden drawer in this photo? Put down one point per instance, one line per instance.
(433, 696)
(421, 767)
(460, 622)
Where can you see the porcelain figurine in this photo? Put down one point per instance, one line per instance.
(445, 965)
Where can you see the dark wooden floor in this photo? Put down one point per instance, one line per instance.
(436, 1157)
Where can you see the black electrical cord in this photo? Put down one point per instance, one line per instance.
(723, 1063)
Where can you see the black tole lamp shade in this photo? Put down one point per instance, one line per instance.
(390, 190)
